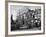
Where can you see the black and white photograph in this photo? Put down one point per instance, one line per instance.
(25, 18)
